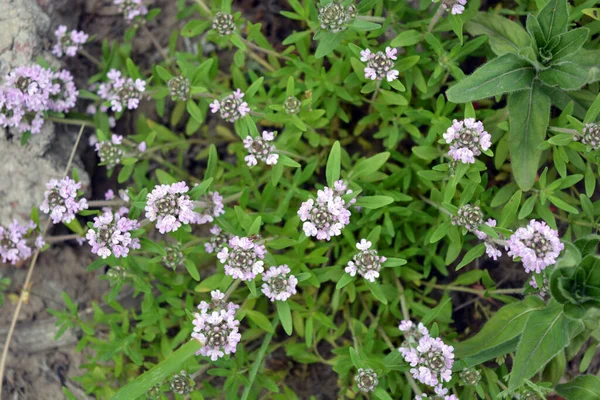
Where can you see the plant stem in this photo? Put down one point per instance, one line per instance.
(436, 18)
(61, 238)
(156, 44)
(204, 7)
(261, 61)
(90, 57)
(403, 306)
(266, 51)
(65, 121)
(371, 18)
(106, 203)
(27, 283)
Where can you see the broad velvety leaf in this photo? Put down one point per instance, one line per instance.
(504, 35)
(505, 74)
(569, 43)
(546, 333)
(554, 18)
(529, 112)
(565, 74)
(586, 387)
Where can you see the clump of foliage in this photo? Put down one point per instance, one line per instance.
(403, 192)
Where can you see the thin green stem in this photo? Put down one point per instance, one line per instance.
(156, 44)
(204, 7)
(106, 203)
(90, 57)
(266, 51)
(436, 18)
(61, 238)
(563, 130)
(370, 18)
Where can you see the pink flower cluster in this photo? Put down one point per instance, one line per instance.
(455, 6)
(68, 44)
(110, 195)
(121, 92)
(367, 262)
(537, 245)
(213, 207)
(216, 328)
(467, 139)
(112, 235)
(60, 200)
(430, 358)
(132, 9)
(491, 249)
(232, 107)
(29, 91)
(13, 242)
(278, 284)
(441, 393)
(261, 148)
(380, 64)
(110, 151)
(170, 206)
(328, 214)
(242, 258)
(218, 241)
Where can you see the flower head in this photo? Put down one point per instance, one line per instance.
(335, 17)
(173, 257)
(380, 64)
(216, 328)
(278, 283)
(468, 216)
(179, 88)
(537, 245)
(366, 380)
(292, 105)
(66, 96)
(242, 258)
(327, 215)
(217, 241)
(170, 206)
(13, 242)
(182, 383)
(110, 151)
(60, 200)
(470, 376)
(455, 6)
(367, 262)
(213, 207)
(591, 136)
(132, 9)
(467, 139)
(112, 235)
(261, 148)
(68, 43)
(223, 23)
(232, 107)
(121, 92)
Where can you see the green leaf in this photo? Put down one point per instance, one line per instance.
(565, 74)
(362, 26)
(381, 394)
(159, 373)
(192, 269)
(164, 178)
(506, 324)
(194, 111)
(255, 227)
(163, 73)
(376, 291)
(334, 164)
(570, 42)
(563, 205)
(251, 91)
(509, 212)
(393, 99)
(504, 74)
(328, 43)
(504, 35)
(586, 387)
(529, 112)
(260, 320)
(369, 166)
(211, 165)
(471, 255)
(593, 112)
(554, 19)
(344, 281)
(439, 232)
(372, 202)
(547, 332)
(407, 38)
(197, 191)
(285, 316)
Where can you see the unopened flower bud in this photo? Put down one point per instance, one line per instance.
(470, 376)
(174, 257)
(179, 88)
(366, 380)
(223, 23)
(591, 136)
(182, 383)
(335, 17)
(292, 105)
(468, 216)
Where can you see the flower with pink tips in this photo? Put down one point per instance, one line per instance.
(170, 206)
(536, 244)
(121, 92)
(279, 284)
(60, 200)
(367, 262)
(13, 242)
(112, 235)
(66, 96)
(212, 207)
(68, 43)
(261, 148)
(218, 241)
(132, 9)
(467, 139)
(232, 107)
(380, 64)
(242, 258)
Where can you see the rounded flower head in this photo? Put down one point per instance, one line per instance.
(32, 86)
(261, 148)
(121, 92)
(366, 380)
(367, 262)
(170, 206)
(278, 283)
(455, 6)
(470, 376)
(217, 241)
(173, 258)
(223, 23)
(468, 216)
(327, 215)
(242, 258)
(60, 200)
(292, 105)
(110, 151)
(216, 328)
(380, 64)
(213, 207)
(335, 17)
(232, 107)
(68, 43)
(13, 242)
(66, 96)
(537, 245)
(112, 235)
(591, 136)
(182, 383)
(179, 88)
(132, 9)
(467, 139)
